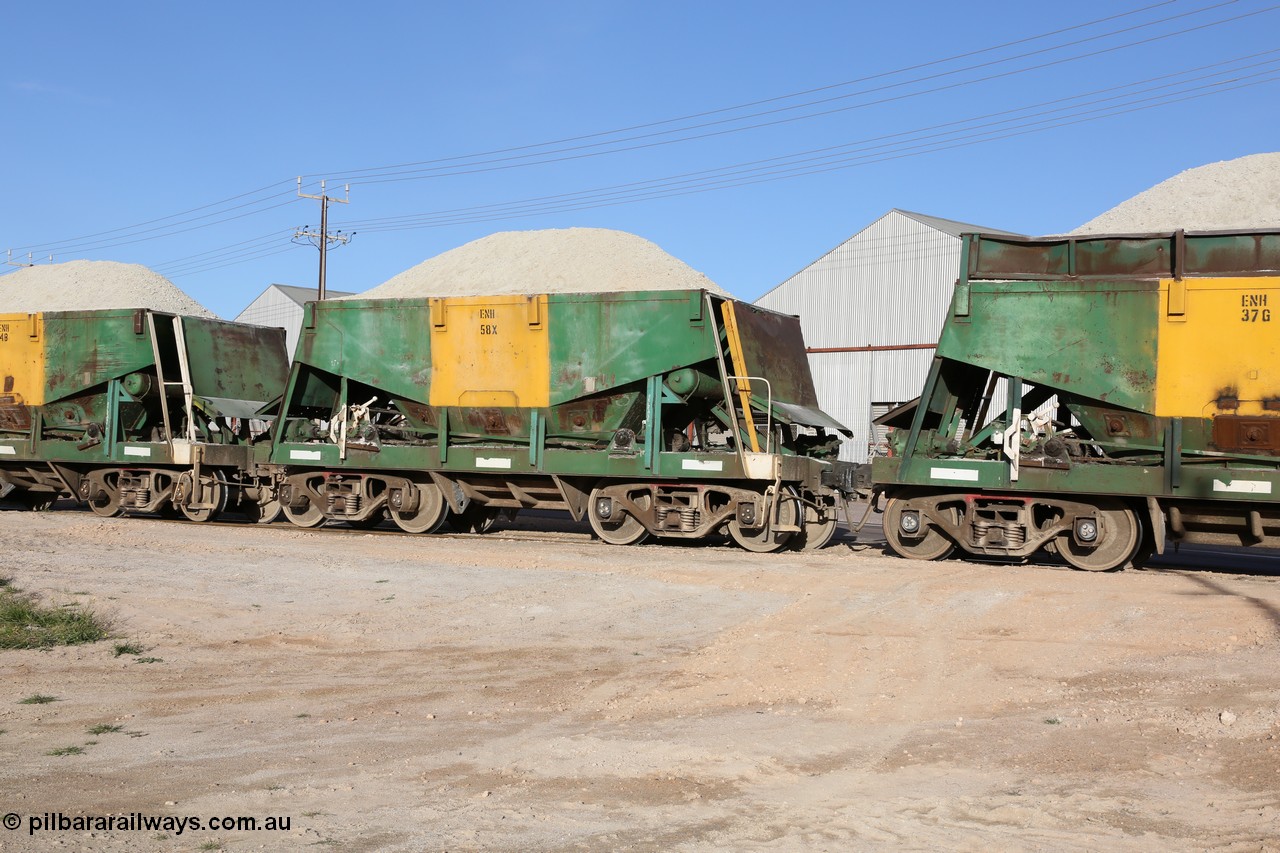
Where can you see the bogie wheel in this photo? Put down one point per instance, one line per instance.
(369, 523)
(617, 527)
(214, 492)
(1118, 535)
(308, 515)
(816, 531)
(259, 504)
(261, 513)
(476, 518)
(933, 545)
(766, 539)
(429, 515)
(106, 500)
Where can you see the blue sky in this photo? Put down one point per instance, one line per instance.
(174, 131)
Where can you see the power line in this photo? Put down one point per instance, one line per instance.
(62, 245)
(223, 211)
(388, 175)
(775, 99)
(128, 234)
(265, 253)
(862, 152)
(781, 174)
(554, 203)
(241, 249)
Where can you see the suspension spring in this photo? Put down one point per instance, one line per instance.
(688, 519)
(343, 504)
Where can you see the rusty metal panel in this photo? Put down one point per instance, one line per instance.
(773, 347)
(1122, 256)
(382, 343)
(994, 257)
(603, 341)
(1251, 435)
(1238, 254)
(85, 349)
(235, 361)
(1093, 338)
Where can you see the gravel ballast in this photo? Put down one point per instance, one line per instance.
(92, 285)
(569, 260)
(1235, 194)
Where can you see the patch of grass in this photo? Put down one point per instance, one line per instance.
(26, 623)
(311, 814)
(302, 716)
(38, 699)
(1052, 721)
(121, 649)
(104, 729)
(211, 845)
(148, 660)
(66, 750)
(384, 580)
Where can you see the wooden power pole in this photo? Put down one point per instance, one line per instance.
(323, 238)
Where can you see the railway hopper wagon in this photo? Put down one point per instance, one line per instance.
(1096, 397)
(669, 413)
(136, 411)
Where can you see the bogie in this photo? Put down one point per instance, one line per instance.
(1092, 534)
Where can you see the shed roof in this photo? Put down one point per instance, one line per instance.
(303, 295)
(952, 226)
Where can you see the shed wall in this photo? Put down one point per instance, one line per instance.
(274, 308)
(887, 286)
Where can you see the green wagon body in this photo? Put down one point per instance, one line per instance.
(1141, 404)
(114, 406)
(540, 401)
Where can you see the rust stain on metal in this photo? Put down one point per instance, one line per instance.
(1249, 434)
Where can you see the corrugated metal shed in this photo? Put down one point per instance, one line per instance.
(875, 304)
(280, 306)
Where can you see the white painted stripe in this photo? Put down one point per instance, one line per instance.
(137, 451)
(6, 450)
(701, 465)
(492, 462)
(1247, 487)
(968, 475)
(305, 454)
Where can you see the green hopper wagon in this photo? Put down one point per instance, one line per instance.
(669, 413)
(138, 411)
(1096, 397)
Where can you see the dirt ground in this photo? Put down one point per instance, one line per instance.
(521, 691)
